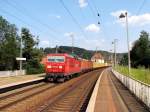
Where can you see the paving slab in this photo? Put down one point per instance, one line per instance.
(110, 95)
(108, 99)
(19, 78)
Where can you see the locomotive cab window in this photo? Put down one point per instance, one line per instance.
(56, 59)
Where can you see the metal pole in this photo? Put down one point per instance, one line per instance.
(115, 50)
(96, 50)
(115, 56)
(49, 44)
(72, 39)
(111, 57)
(56, 49)
(21, 52)
(129, 62)
(114, 53)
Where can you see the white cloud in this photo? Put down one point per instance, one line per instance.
(45, 43)
(68, 34)
(92, 28)
(103, 40)
(55, 16)
(141, 20)
(133, 20)
(58, 17)
(82, 3)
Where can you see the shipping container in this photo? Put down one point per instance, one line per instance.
(86, 65)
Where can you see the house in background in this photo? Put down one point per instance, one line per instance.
(97, 57)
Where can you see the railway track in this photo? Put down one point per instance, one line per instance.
(12, 98)
(75, 98)
(69, 96)
(131, 102)
(14, 86)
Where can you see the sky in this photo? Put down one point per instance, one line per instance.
(56, 21)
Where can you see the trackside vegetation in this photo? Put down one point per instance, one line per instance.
(140, 59)
(10, 41)
(139, 73)
(140, 52)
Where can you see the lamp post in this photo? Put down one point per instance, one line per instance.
(125, 15)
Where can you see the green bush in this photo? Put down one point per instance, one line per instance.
(34, 67)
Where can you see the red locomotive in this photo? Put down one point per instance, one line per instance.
(61, 66)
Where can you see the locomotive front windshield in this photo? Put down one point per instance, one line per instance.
(56, 59)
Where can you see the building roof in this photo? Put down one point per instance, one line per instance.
(97, 56)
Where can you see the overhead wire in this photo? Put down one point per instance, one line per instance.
(140, 8)
(36, 19)
(92, 10)
(97, 14)
(4, 11)
(73, 18)
(33, 18)
(95, 7)
(100, 21)
(83, 16)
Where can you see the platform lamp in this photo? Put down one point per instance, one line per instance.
(125, 15)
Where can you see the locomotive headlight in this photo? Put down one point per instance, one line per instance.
(60, 66)
(49, 66)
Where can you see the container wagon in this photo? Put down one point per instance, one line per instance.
(86, 65)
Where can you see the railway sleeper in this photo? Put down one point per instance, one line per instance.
(63, 106)
(62, 109)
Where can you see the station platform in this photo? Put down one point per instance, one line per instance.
(110, 95)
(12, 80)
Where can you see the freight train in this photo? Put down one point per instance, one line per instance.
(63, 66)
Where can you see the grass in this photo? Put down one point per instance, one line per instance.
(140, 74)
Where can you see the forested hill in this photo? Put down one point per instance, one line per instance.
(83, 53)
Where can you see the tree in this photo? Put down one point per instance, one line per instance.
(140, 53)
(32, 54)
(9, 45)
(28, 43)
(86, 55)
(10, 48)
(124, 60)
